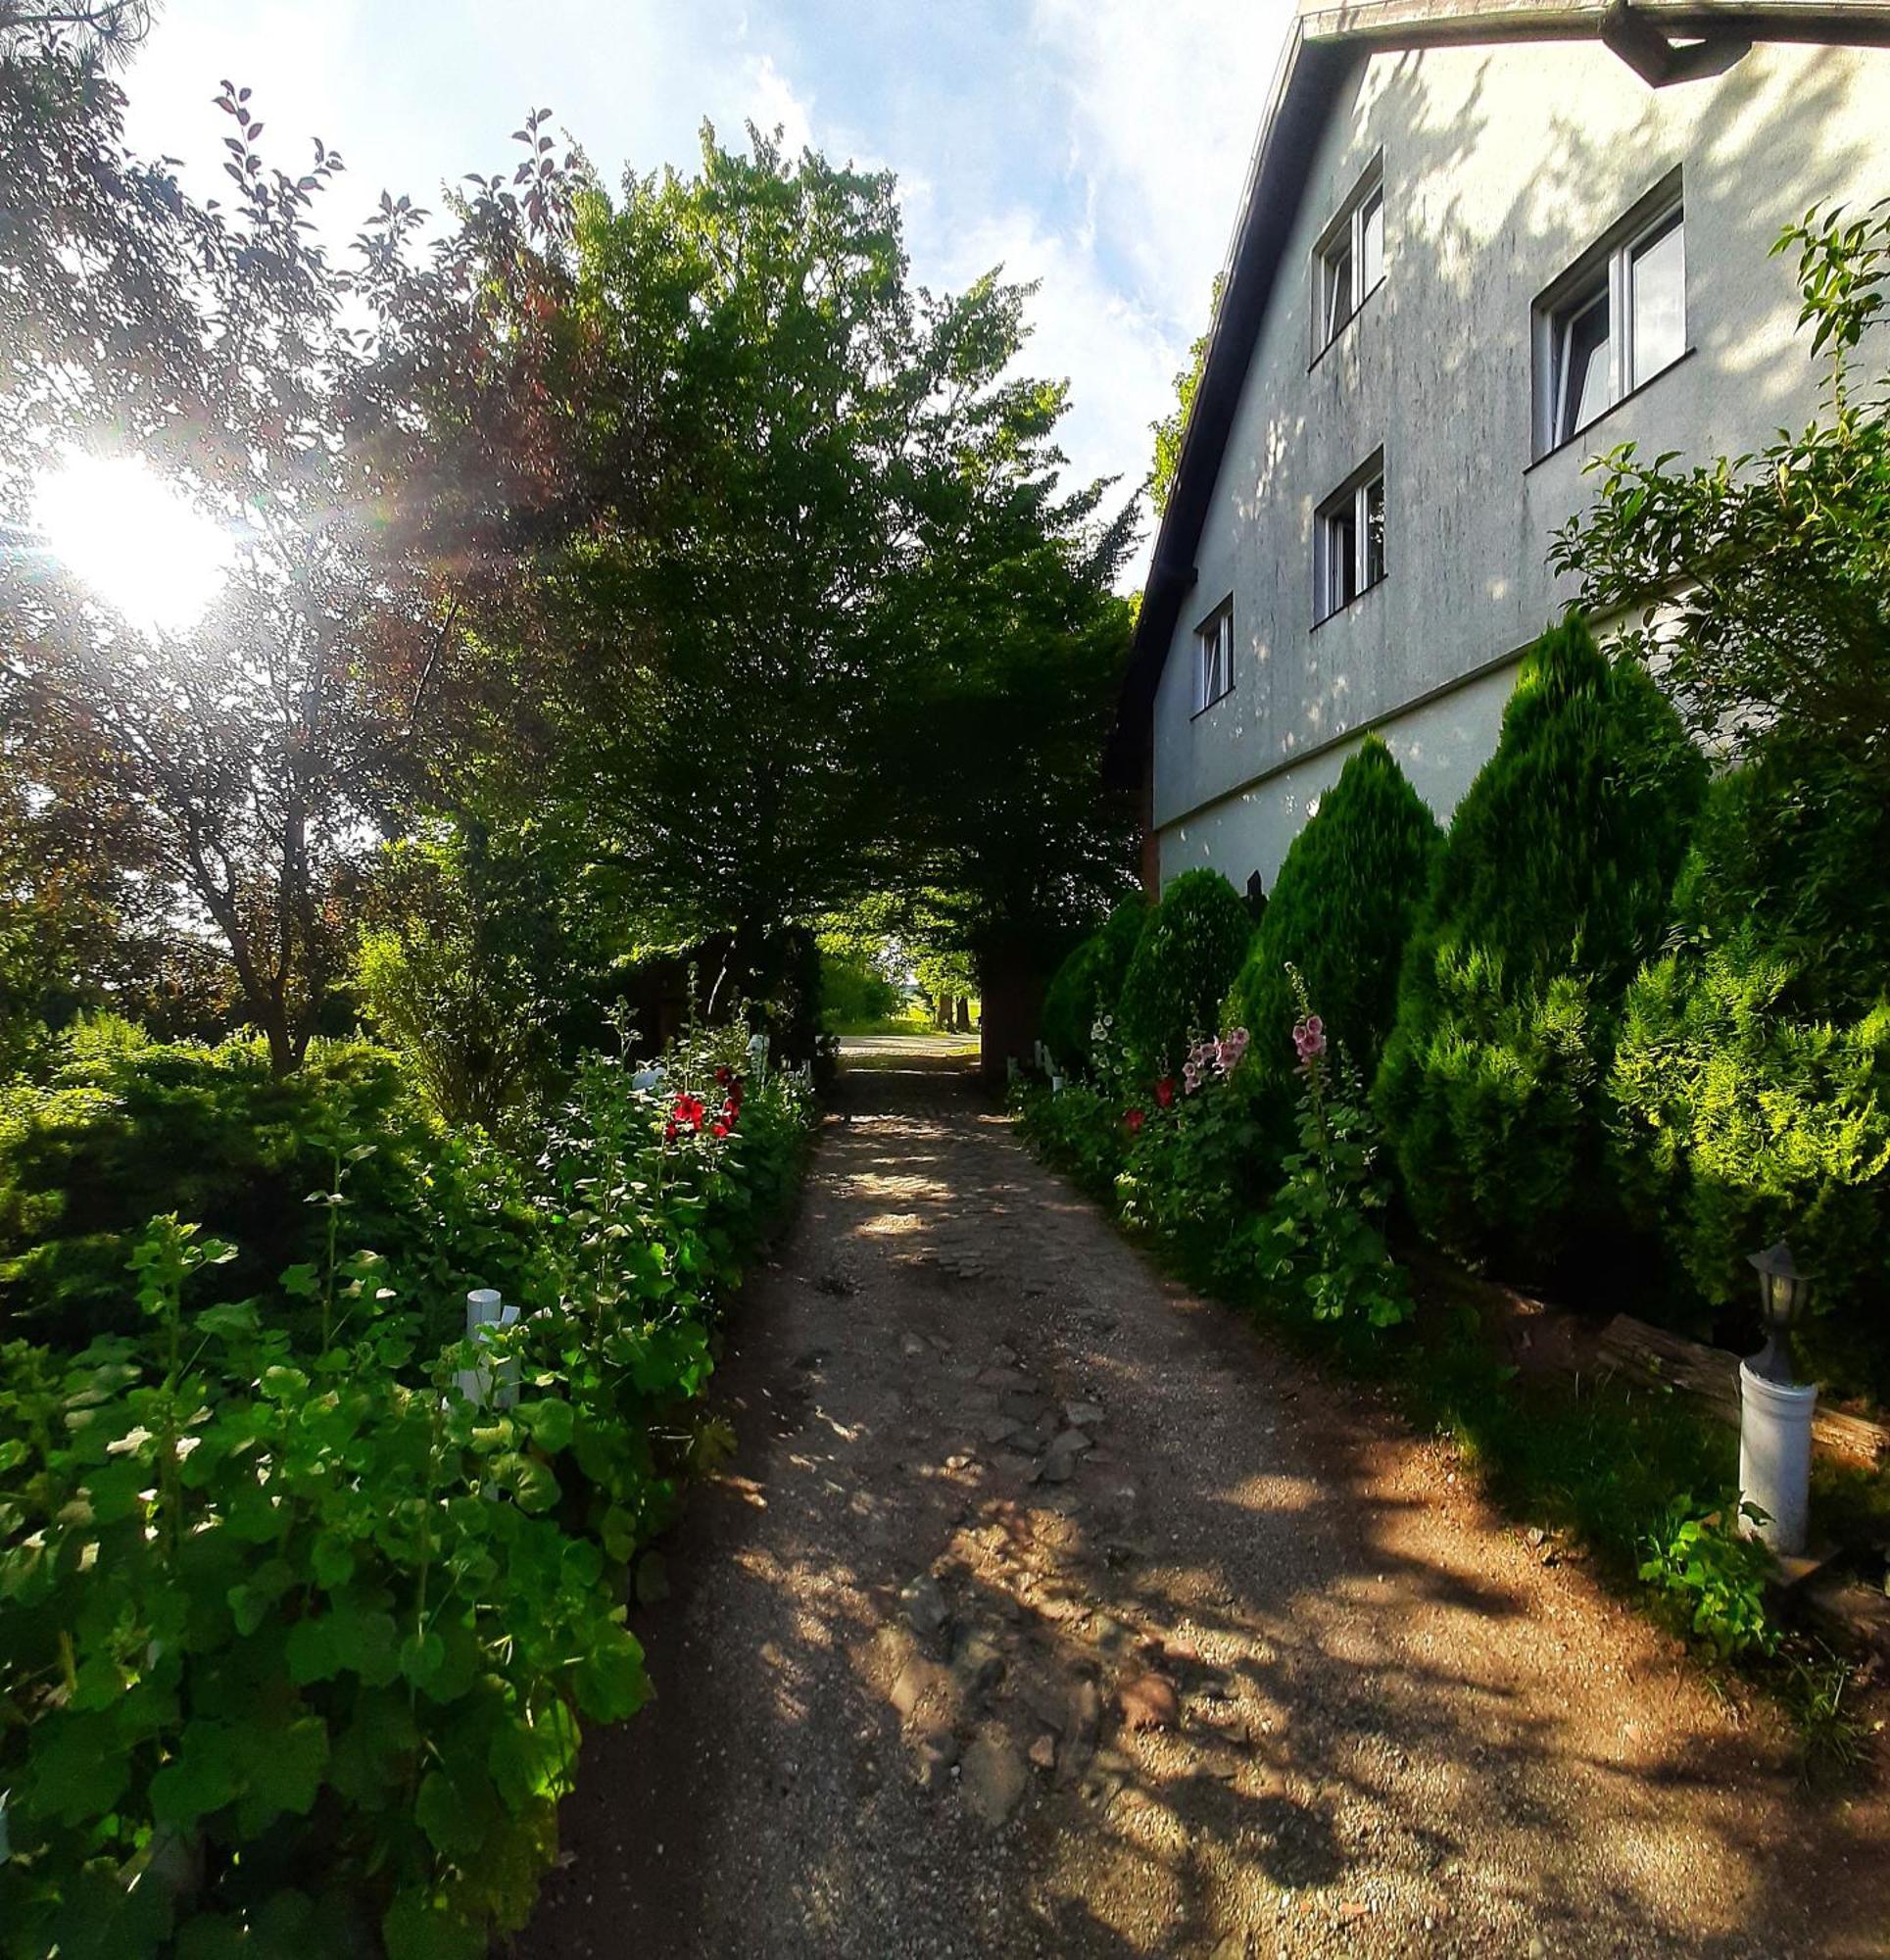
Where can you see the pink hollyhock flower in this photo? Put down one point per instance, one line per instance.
(1309, 1038)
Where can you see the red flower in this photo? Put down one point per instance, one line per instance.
(669, 1133)
(1165, 1090)
(690, 1109)
(718, 1129)
(1135, 1119)
(730, 1110)
(724, 1076)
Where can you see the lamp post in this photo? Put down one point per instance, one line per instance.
(1774, 1411)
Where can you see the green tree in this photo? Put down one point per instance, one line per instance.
(1551, 888)
(1758, 587)
(1186, 957)
(1088, 984)
(1340, 912)
(253, 756)
(1172, 427)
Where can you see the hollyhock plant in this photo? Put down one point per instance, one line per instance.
(1134, 1119)
(1165, 1092)
(1309, 1038)
(690, 1109)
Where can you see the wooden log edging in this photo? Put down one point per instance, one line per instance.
(1712, 1377)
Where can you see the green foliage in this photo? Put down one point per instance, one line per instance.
(1184, 1178)
(1318, 1248)
(1088, 985)
(1079, 1129)
(1698, 1554)
(1340, 912)
(1184, 960)
(854, 993)
(1750, 1087)
(298, 1631)
(1172, 426)
(1760, 586)
(1551, 887)
(126, 1129)
(454, 974)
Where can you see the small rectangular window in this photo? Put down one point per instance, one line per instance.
(1349, 541)
(1214, 656)
(1612, 324)
(1349, 259)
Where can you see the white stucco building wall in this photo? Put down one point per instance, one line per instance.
(1502, 165)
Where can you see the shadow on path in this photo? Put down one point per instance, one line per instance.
(1047, 1610)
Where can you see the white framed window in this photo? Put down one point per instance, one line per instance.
(1349, 541)
(1214, 656)
(1613, 322)
(1348, 263)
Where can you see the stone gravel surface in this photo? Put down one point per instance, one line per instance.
(1047, 1610)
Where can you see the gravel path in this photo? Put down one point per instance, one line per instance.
(1047, 1610)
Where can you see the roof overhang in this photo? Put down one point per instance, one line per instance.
(1663, 43)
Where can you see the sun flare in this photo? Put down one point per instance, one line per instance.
(138, 545)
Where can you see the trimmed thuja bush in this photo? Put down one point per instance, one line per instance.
(1088, 984)
(1185, 959)
(1339, 913)
(1750, 1089)
(1551, 888)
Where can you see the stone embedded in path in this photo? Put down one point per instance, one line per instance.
(992, 1780)
(917, 1682)
(912, 1346)
(978, 1663)
(925, 1606)
(1044, 1752)
(937, 1750)
(1149, 1701)
(1081, 1415)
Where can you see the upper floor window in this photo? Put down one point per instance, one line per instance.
(1349, 261)
(1349, 541)
(1214, 656)
(1612, 322)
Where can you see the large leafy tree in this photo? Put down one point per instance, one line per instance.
(824, 626)
(249, 758)
(1758, 587)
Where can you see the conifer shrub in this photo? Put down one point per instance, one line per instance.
(1088, 984)
(1189, 951)
(1552, 886)
(1750, 1089)
(1340, 912)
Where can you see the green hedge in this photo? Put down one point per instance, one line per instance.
(1340, 911)
(1088, 984)
(1553, 885)
(1185, 959)
(297, 1639)
(124, 1131)
(1751, 1084)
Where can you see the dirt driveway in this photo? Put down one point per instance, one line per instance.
(1045, 1610)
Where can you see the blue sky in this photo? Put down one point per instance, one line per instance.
(1096, 146)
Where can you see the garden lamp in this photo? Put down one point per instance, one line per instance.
(1782, 1293)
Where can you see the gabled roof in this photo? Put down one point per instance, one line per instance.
(1662, 42)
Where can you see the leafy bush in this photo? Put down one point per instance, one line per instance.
(127, 1130)
(298, 1630)
(1318, 1248)
(1340, 912)
(1184, 960)
(1750, 1089)
(1190, 1143)
(1079, 1129)
(1697, 1554)
(1088, 985)
(1551, 888)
